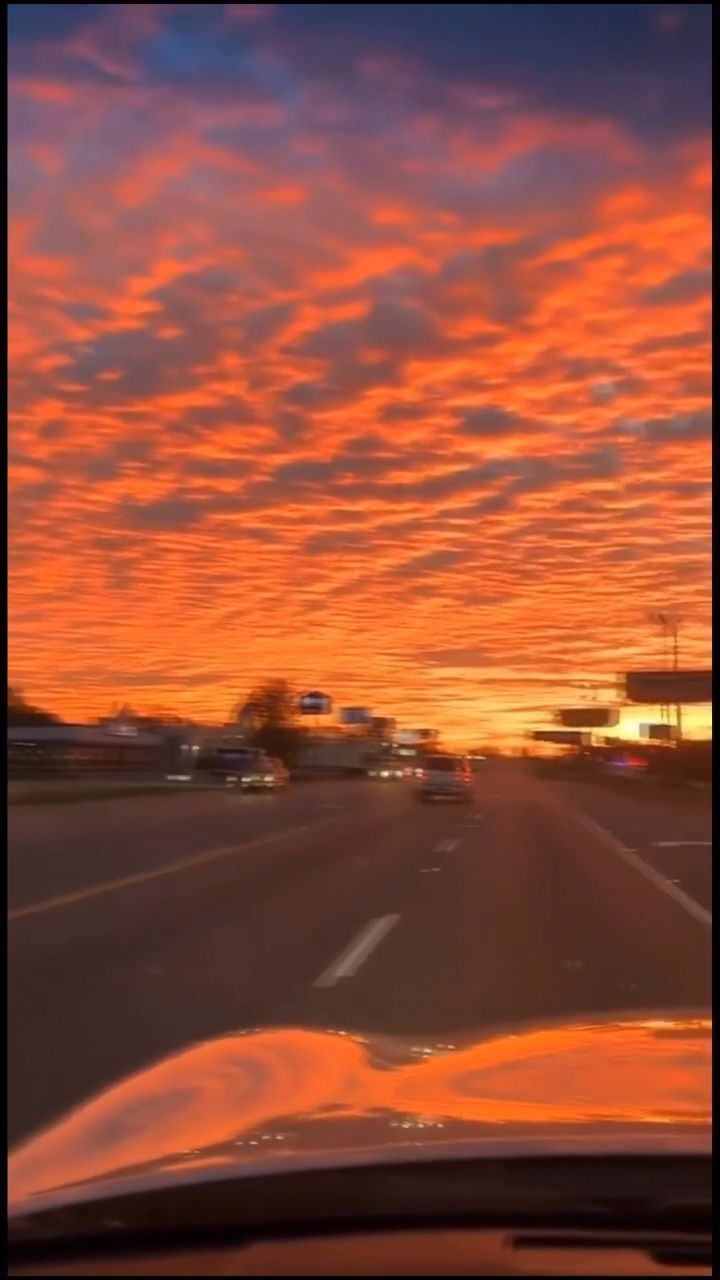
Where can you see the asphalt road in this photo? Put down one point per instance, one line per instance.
(138, 926)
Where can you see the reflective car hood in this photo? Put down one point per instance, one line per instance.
(294, 1097)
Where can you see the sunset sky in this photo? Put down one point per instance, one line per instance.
(366, 345)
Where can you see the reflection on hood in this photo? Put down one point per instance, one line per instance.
(291, 1089)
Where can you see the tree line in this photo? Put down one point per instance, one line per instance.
(267, 716)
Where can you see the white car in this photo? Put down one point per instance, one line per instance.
(260, 774)
(445, 777)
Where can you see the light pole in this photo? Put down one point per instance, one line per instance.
(671, 627)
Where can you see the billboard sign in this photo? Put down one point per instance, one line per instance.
(662, 687)
(414, 737)
(563, 737)
(355, 715)
(659, 732)
(589, 717)
(315, 704)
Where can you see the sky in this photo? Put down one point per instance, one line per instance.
(364, 345)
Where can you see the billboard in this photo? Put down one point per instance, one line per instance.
(659, 732)
(315, 704)
(355, 715)
(563, 737)
(589, 717)
(662, 687)
(414, 737)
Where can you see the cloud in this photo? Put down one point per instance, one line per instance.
(163, 513)
(684, 286)
(356, 332)
(492, 420)
(681, 429)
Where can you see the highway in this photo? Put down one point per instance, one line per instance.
(138, 926)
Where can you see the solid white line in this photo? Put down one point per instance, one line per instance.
(360, 948)
(692, 907)
(446, 846)
(197, 860)
(682, 844)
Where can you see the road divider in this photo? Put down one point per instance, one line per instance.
(75, 791)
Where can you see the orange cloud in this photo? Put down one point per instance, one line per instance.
(449, 376)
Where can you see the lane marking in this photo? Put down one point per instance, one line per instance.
(661, 882)
(446, 846)
(682, 844)
(141, 877)
(350, 960)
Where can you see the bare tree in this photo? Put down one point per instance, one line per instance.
(270, 714)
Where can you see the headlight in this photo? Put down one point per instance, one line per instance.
(243, 779)
(268, 777)
(384, 773)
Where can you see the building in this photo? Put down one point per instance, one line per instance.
(70, 749)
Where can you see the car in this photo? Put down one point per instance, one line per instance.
(231, 765)
(280, 773)
(260, 773)
(523, 1150)
(445, 777)
(387, 770)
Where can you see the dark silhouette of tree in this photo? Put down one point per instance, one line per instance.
(269, 713)
(20, 712)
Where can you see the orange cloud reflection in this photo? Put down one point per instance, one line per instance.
(639, 1073)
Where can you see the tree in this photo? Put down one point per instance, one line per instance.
(269, 712)
(273, 704)
(21, 712)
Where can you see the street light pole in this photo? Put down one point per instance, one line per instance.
(678, 708)
(671, 628)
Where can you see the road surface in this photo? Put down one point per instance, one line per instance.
(140, 926)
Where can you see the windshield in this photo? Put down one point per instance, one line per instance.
(359, 676)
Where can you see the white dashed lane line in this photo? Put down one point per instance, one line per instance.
(446, 846)
(350, 960)
(356, 953)
(682, 844)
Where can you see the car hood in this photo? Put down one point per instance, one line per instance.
(297, 1097)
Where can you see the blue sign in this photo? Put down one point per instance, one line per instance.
(355, 715)
(315, 704)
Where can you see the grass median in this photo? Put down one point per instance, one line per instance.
(46, 793)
